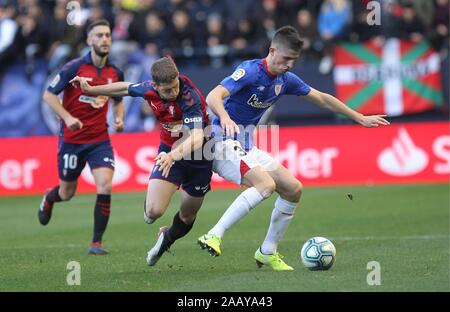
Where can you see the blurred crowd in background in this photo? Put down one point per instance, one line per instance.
(208, 32)
(207, 38)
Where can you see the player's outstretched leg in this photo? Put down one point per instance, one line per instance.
(282, 215)
(46, 206)
(290, 190)
(275, 261)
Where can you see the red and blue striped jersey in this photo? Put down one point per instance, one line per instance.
(188, 109)
(91, 110)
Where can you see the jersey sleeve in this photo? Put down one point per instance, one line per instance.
(61, 81)
(139, 89)
(191, 106)
(120, 78)
(243, 75)
(296, 86)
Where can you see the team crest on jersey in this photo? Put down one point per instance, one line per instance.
(55, 81)
(238, 74)
(277, 89)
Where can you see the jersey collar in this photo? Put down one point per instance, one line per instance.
(272, 76)
(88, 59)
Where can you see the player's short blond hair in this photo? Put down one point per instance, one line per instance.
(164, 70)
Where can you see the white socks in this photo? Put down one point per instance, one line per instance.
(282, 215)
(246, 201)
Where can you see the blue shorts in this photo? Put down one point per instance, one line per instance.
(194, 176)
(73, 157)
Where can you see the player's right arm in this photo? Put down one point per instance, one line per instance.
(58, 84)
(244, 75)
(215, 102)
(119, 88)
(53, 101)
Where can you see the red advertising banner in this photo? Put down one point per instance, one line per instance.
(317, 156)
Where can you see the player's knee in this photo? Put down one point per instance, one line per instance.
(292, 192)
(66, 194)
(266, 188)
(152, 211)
(104, 188)
(154, 214)
(296, 191)
(187, 218)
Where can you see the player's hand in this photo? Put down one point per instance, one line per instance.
(229, 126)
(118, 124)
(76, 81)
(81, 82)
(73, 123)
(165, 162)
(374, 121)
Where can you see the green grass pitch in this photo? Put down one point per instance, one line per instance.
(404, 228)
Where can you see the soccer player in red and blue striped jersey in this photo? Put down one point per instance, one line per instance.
(84, 131)
(181, 110)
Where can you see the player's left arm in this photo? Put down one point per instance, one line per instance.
(118, 110)
(118, 107)
(335, 105)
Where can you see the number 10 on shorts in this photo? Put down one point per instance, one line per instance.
(70, 161)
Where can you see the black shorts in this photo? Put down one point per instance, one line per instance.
(194, 176)
(73, 157)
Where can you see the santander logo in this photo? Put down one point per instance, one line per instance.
(403, 157)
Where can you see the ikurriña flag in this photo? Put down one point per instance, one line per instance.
(396, 78)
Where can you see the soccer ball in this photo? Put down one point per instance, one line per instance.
(318, 253)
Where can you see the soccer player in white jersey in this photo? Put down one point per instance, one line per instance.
(239, 101)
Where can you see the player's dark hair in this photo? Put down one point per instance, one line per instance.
(164, 70)
(288, 37)
(101, 22)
